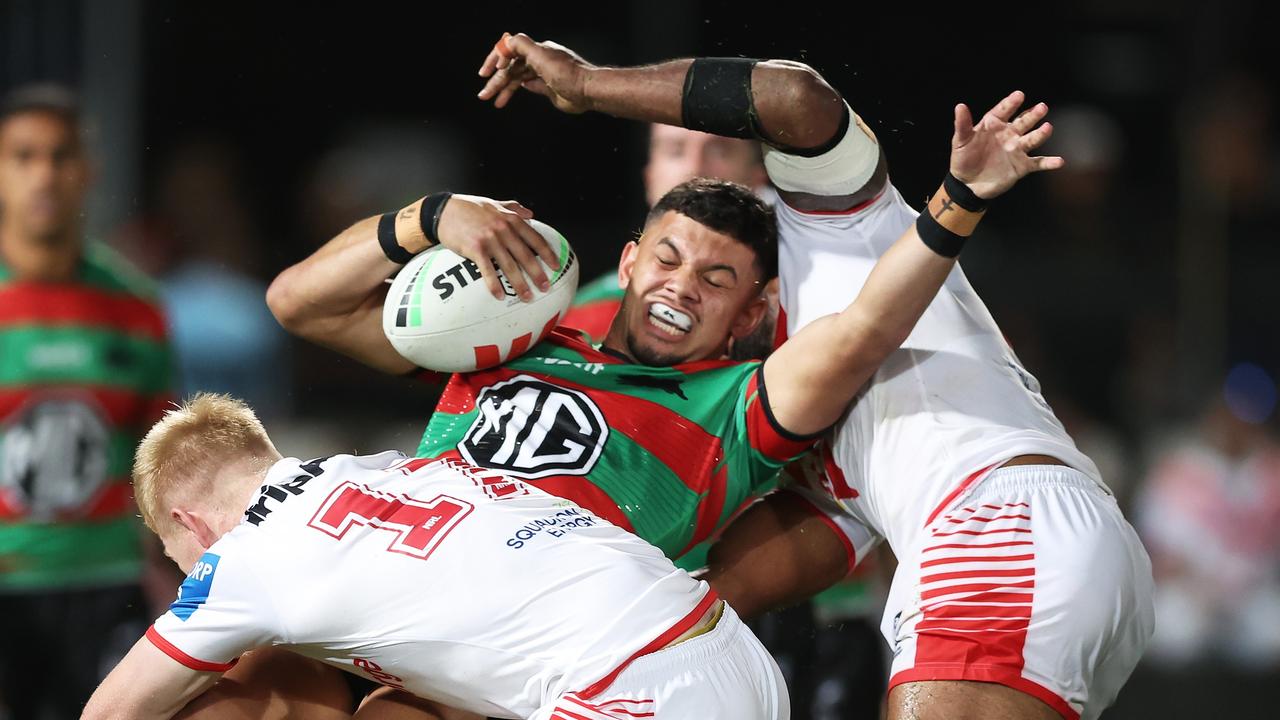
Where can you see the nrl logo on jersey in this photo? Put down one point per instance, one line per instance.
(532, 429)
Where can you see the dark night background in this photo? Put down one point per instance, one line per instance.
(1139, 286)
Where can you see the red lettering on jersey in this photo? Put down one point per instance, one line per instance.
(377, 673)
(420, 526)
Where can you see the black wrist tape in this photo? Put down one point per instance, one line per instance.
(717, 97)
(432, 207)
(387, 239)
(937, 238)
(962, 195)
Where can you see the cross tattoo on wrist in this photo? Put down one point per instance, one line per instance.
(947, 205)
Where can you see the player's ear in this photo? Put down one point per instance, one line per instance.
(194, 523)
(750, 317)
(627, 262)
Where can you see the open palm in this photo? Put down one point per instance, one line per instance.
(991, 156)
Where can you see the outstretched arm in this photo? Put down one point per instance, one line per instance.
(786, 104)
(795, 107)
(812, 377)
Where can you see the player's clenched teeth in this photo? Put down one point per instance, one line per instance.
(669, 320)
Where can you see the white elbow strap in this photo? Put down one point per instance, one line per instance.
(842, 170)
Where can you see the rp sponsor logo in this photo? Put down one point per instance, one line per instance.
(531, 429)
(194, 591)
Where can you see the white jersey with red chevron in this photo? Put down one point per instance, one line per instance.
(454, 583)
(952, 400)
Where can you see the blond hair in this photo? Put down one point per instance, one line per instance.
(184, 451)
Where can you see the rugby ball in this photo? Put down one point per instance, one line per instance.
(440, 315)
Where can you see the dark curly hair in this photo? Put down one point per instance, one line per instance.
(731, 209)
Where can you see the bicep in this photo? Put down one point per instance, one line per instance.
(359, 336)
(814, 375)
(147, 684)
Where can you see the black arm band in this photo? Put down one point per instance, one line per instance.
(962, 195)
(717, 97)
(432, 207)
(937, 238)
(387, 239)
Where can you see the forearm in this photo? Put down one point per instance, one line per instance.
(146, 685)
(776, 554)
(651, 93)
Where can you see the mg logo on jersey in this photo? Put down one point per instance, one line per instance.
(532, 429)
(54, 457)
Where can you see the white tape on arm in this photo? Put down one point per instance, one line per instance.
(842, 170)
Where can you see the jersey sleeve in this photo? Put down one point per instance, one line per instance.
(757, 446)
(221, 612)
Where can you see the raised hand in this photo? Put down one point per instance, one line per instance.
(487, 231)
(547, 68)
(993, 155)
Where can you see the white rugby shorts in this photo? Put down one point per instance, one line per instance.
(725, 673)
(1031, 579)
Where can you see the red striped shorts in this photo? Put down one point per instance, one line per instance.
(1031, 579)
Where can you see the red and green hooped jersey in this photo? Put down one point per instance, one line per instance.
(84, 371)
(666, 452)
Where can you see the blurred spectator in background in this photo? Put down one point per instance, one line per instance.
(84, 371)
(365, 170)
(1210, 515)
(202, 244)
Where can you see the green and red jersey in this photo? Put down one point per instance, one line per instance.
(669, 453)
(84, 371)
(594, 306)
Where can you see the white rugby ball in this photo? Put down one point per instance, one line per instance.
(440, 315)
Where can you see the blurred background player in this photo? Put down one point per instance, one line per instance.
(1210, 512)
(84, 370)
